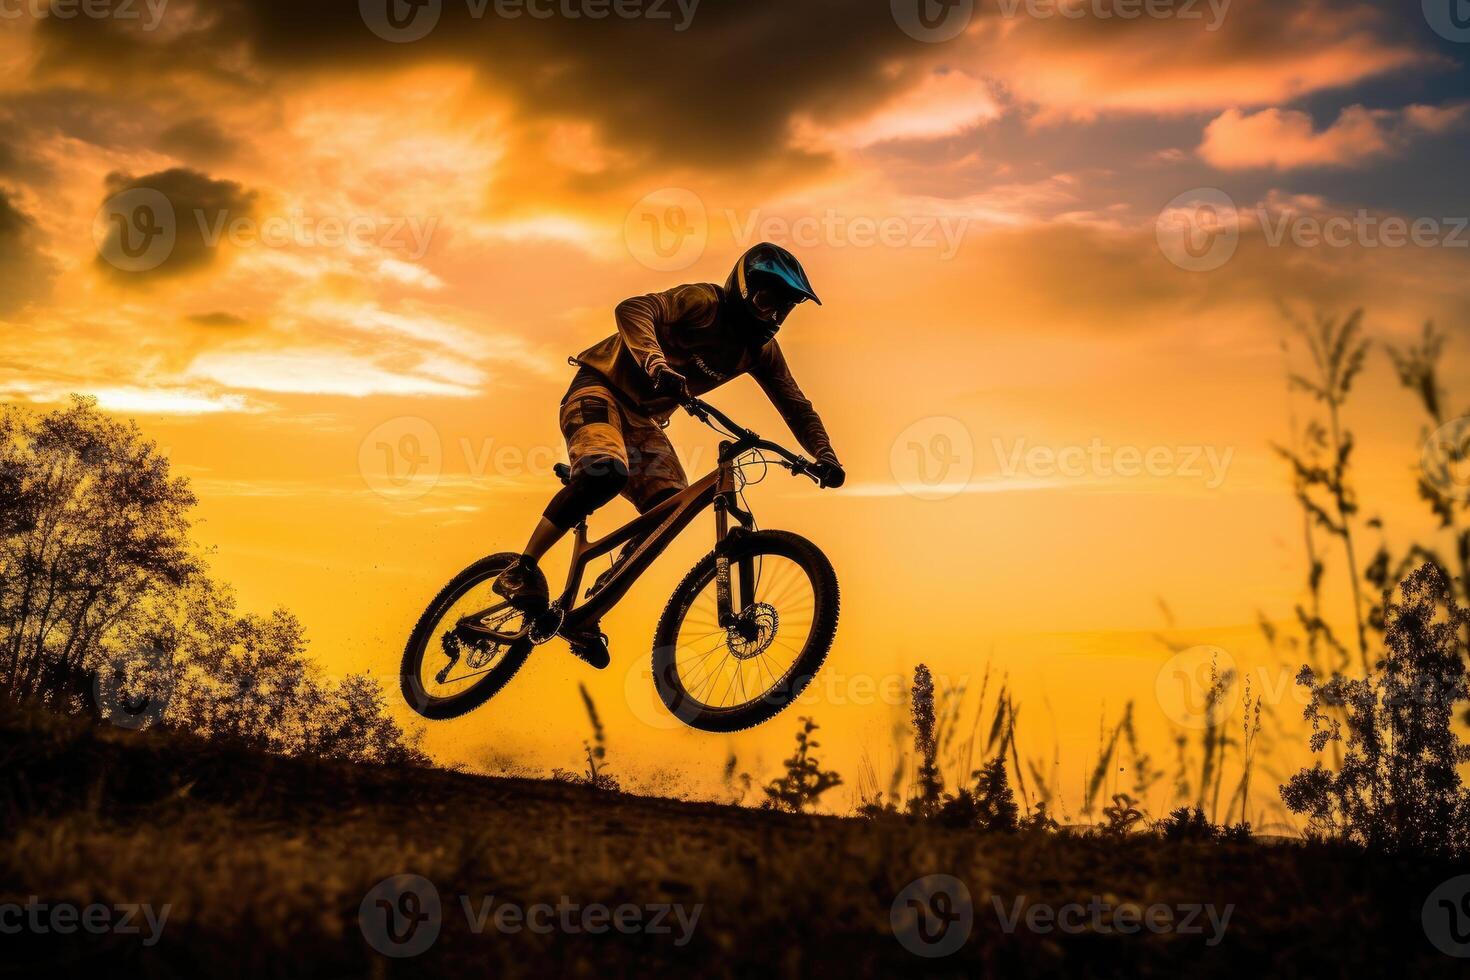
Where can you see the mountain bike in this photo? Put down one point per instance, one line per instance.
(741, 637)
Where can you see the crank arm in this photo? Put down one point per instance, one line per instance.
(472, 627)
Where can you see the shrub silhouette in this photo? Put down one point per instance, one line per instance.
(804, 781)
(1398, 787)
(595, 748)
(926, 801)
(1122, 815)
(1188, 823)
(988, 806)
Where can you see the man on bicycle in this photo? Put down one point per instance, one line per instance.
(669, 346)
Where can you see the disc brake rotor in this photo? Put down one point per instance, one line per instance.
(752, 634)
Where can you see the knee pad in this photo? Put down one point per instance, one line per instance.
(595, 480)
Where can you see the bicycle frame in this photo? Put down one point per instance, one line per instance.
(658, 528)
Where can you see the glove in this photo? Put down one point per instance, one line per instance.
(830, 473)
(670, 383)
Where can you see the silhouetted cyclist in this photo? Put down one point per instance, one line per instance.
(685, 341)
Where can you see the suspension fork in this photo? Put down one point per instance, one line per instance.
(731, 605)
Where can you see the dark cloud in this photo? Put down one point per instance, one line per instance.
(103, 118)
(166, 224)
(198, 140)
(25, 272)
(719, 93)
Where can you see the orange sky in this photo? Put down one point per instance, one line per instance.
(373, 240)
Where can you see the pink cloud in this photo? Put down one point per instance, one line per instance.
(1265, 52)
(1284, 139)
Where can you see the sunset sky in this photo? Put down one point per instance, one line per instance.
(381, 252)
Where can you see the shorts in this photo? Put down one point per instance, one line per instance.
(599, 428)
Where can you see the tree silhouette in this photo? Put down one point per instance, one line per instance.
(101, 589)
(93, 530)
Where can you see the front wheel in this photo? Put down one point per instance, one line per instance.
(726, 678)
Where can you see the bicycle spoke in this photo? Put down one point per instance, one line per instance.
(708, 656)
(731, 685)
(702, 659)
(712, 679)
(775, 680)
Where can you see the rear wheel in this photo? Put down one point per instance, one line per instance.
(726, 678)
(448, 670)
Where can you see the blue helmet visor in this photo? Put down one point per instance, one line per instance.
(767, 261)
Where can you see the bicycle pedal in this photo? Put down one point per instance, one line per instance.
(546, 625)
(591, 650)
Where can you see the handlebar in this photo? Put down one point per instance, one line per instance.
(746, 440)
